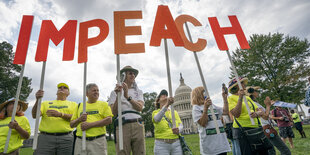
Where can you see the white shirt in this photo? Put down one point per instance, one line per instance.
(211, 144)
(136, 94)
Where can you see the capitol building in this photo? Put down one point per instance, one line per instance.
(182, 104)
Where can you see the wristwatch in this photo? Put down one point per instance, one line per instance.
(129, 99)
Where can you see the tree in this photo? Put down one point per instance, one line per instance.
(9, 75)
(277, 64)
(149, 99)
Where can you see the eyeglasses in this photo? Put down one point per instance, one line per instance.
(63, 87)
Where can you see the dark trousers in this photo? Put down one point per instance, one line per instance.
(245, 145)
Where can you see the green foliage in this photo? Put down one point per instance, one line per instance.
(149, 99)
(301, 144)
(278, 64)
(9, 75)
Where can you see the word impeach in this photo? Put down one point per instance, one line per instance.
(164, 27)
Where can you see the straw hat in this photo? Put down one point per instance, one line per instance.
(22, 103)
(129, 68)
(234, 83)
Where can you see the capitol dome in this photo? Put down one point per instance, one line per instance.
(182, 104)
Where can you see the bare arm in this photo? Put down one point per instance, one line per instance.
(236, 112)
(225, 107)
(137, 105)
(265, 115)
(23, 133)
(76, 122)
(104, 122)
(39, 94)
(203, 121)
(114, 106)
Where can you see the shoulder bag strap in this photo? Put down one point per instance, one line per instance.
(256, 117)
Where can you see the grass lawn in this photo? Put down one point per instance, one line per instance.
(301, 144)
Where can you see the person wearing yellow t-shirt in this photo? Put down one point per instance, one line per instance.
(20, 127)
(238, 109)
(55, 132)
(166, 137)
(298, 125)
(98, 116)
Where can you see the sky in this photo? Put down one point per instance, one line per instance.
(289, 17)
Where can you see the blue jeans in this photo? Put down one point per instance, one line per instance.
(235, 147)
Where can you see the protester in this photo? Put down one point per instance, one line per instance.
(210, 141)
(55, 132)
(132, 104)
(298, 124)
(98, 116)
(238, 109)
(307, 98)
(284, 122)
(20, 126)
(166, 137)
(266, 122)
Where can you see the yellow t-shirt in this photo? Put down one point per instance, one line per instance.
(162, 129)
(56, 124)
(16, 140)
(96, 112)
(296, 118)
(244, 118)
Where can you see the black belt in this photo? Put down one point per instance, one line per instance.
(125, 121)
(92, 138)
(55, 134)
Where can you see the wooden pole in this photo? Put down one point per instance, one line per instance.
(240, 86)
(15, 107)
(38, 113)
(203, 83)
(169, 82)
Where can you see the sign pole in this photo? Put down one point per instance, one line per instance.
(203, 82)
(119, 106)
(84, 105)
(240, 86)
(38, 113)
(15, 107)
(169, 82)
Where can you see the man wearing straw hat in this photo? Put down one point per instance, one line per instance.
(20, 127)
(55, 132)
(98, 116)
(132, 104)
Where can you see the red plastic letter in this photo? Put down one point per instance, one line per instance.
(85, 42)
(49, 31)
(195, 47)
(23, 40)
(164, 18)
(120, 32)
(235, 28)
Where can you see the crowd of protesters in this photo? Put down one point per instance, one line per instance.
(236, 121)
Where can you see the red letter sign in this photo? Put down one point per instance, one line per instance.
(84, 41)
(235, 28)
(164, 18)
(49, 31)
(120, 32)
(195, 47)
(23, 40)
